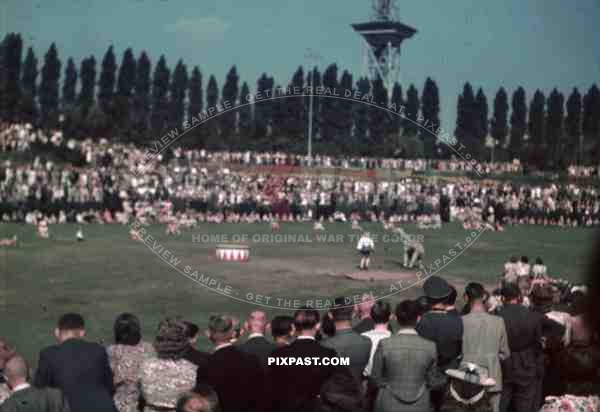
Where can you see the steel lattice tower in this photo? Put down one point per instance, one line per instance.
(382, 37)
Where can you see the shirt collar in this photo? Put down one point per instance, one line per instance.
(407, 331)
(305, 338)
(255, 335)
(21, 386)
(223, 345)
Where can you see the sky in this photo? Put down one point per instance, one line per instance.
(531, 43)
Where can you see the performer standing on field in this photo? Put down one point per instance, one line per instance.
(365, 247)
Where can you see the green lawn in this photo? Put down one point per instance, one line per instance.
(109, 274)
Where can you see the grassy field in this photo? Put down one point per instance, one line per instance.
(109, 274)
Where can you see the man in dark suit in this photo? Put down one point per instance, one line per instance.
(27, 398)
(295, 387)
(236, 376)
(346, 342)
(520, 372)
(193, 355)
(282, 330)
(78, 368)
(442, 325)
(257, 344)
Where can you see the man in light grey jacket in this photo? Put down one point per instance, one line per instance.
(402, 365)
(485, 342)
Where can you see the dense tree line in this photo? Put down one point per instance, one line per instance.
(549, 133)
(133, 100)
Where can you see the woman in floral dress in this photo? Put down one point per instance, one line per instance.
(166, 376)
(126, 356)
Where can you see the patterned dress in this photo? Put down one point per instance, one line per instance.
(125, 362)
(163, 380)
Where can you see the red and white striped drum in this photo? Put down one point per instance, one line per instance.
(233, 253)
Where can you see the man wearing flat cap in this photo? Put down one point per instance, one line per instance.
(443, 326)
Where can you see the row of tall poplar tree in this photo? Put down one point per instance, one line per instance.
(135, 102)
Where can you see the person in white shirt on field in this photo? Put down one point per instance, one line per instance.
(380, 313)
(365, 247)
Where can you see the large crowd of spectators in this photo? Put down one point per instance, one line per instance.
(516, 348)
(107, 182)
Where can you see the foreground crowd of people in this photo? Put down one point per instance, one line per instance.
(507, 355)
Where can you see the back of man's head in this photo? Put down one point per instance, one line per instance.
(16, 370)
(364, 307)
(220, 328)
(203, 399)
(341, 312)
(510, 292)
(70, 325)
(282, 326)
(381, 312)
(407, 313)
(257, 322)
(306, 319)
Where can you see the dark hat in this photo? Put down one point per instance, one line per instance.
(436, 288)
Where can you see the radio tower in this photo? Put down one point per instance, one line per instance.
(382, 37)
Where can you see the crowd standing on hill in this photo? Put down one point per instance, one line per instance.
(517, 348)
(110, 182)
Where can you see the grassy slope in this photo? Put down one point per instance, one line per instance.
(109, 274)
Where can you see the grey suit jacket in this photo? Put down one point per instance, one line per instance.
(400, 369)
(485, 343)
(348, 343)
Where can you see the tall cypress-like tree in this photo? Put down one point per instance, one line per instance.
(377, 118)
(106, 89)
(537, 119)
(49, 88)
(296, 121)
(193, 138)
(344, 129)
(212, 125)
(537, 135)
(125, 85)
(397, 105)
(11, 76)
(245, 119)
(554, 130)
(69, 84)
(466, 120)
(591, 123)
(499, 121)
(361, 118)
(573, 126)
(159, 119)
(411, 112)
(28, 107)
(228, 119)
(481, 123)
(430, 109)
(177, 95)
(279, 135)
(329, 107)
(518, 123)
(69, 100)
(88, 86)
(263, 108)
(141, 98)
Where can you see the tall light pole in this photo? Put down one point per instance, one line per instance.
(313, 56)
